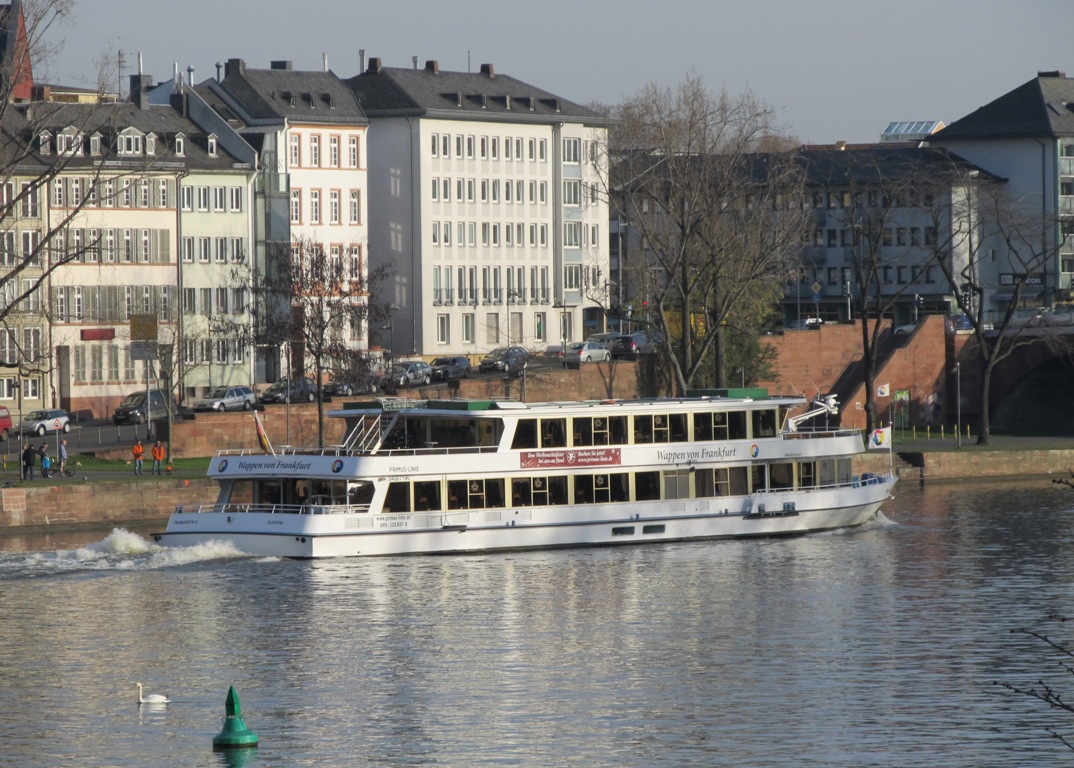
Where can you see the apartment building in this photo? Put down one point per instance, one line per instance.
(109, 202)
(311, 136)
(490, 210)
(1027, 137)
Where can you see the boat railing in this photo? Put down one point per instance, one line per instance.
(344, 450)
(275, 509)
(820, 432)
(866, 478)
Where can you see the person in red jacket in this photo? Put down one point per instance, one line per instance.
(138, 451)
(158, 453)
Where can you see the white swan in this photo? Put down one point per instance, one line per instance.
(153, 698)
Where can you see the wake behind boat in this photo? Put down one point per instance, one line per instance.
(442, 476)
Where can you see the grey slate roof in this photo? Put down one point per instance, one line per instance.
(111, 119)
(881, 163)
(485, 95)
(1042, 107)
(275, 95)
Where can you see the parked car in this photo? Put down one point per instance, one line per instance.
(584, 352)
(805, 324)
(133, 409)
(510, 360)
(410, 373)
(6, 426)
(302, 390)
(226, 399)
(345, 386)
(40, 422)
(637, 343)
(452, 367)
(603, 338)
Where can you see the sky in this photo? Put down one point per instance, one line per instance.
(830, 69)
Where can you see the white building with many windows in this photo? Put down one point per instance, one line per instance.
(490, 209)
(311, 136)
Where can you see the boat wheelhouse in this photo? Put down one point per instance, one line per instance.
(464, 476)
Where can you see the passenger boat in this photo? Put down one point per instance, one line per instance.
(475, 476)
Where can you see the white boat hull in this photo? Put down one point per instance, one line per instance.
(365, 534)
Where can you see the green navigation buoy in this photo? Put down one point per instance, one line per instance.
(235, 734)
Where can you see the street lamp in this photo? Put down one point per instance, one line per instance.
(562, 324)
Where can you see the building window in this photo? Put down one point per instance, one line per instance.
(296, 206)
(443, 329)
(235, 198)
(333, 206)
(333, 151)
(572, 150)
(295, 154)
(315, 151)
(352, 144)
(315, 206)
(572, 234)
(468, 328)
(572, 193)
(355, 207)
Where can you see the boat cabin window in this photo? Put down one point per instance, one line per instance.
(720, 425)
(647, 486)
(759, 477)
(398, 498)
(553, 433)
(600, 430)
(677, 484)
(781, 476)
(807, 471)
(427, 496)
(476, 493)
(764, 423)
(722, 481)
(525, 434)
(589, 489)
(538, 491)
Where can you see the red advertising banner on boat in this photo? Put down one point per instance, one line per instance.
(574, 457)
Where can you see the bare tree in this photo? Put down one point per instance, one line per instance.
(713, 216)
(328, 310)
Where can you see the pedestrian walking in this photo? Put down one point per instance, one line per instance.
(157, 453)
(63, 456)
(28, 462)
(138, 452)
(46, 465)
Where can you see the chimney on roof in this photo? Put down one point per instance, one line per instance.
(414, 61)
(486, 69)
(361, 59)
(1052, 73)
(324, 57)
(140, 85)
(433, 66)
(234, 67)
(281, 64)
(190, 75)
(219, 69)
(374, 64)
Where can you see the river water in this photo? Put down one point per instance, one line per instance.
(873, 647)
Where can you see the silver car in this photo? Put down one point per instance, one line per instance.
(226, 399)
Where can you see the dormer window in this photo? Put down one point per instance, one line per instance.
(180, 145)
(69, 142)
(212, 145)
(95, 143)
(45, 142)
(150, 144)
(130, 143)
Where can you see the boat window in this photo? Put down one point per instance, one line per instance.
(359, 494)
(553, 433)
(549, 490)
(660, 429)
(843, 471)
(677, 484)
(398, 498)
(677, 427)
(807, 473)
(737, 481)
(617, 430)
(781, 475)
(426, 496)
(583, 430)
(758, 477)
(521, 492)
(826, 472)
(525, 434)
(643, 429)
(647, 486)
(703, 429)
(458, 495)
(736, 425)
(764, 423)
